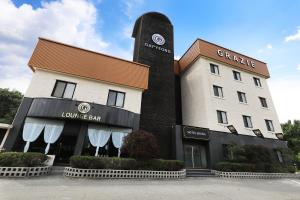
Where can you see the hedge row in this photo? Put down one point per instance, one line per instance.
(90, 162)
(19, 159)
(261, 167)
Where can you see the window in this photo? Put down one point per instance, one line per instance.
(263, 102)
(269, 125)
(115, 98)
(214, 69)
(218, 91)
(247, 121)
(63, 89)
(257, 82)
(242, 97)
(222, 117)
(237, 76)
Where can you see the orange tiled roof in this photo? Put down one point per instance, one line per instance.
(63, 58)
(209, 50)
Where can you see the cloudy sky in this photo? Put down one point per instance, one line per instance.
(267, 30)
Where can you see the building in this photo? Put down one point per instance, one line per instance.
(84, 102)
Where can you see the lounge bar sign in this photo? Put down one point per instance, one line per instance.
(235, 58)
(83, 109)
(195, 133)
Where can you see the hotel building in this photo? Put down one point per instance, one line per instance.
(81, 102)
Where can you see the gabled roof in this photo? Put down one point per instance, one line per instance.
(209, 50)
(58, 57)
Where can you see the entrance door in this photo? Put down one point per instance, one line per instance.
(195, 156)
(65, 145)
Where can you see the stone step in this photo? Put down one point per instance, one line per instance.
(57, 170)
(199, 173)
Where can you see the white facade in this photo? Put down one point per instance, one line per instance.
(86, 90)
(199, 105)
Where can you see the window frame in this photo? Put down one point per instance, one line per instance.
(265, 101)
(218, 87)
(246, 122)
(115, 101)
(242, 93)
(255, 79)
(226, 118)
(63, 93)
(267, 125)
(239, 77)
(214, 66)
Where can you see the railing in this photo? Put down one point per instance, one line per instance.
(254, 175)
(24, 171)
(123, 174)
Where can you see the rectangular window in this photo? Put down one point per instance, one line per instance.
(115, 98)
(218, 91)
(242, 97)
(257, 82)
(214, 69)
(263, 102)
(222, 117)
(237, 76)
(247, 121)
(63, 89)
(269, 125)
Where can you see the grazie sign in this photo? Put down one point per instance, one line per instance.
(195, 133)
(235, 58)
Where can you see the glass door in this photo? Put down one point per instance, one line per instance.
(195, 156)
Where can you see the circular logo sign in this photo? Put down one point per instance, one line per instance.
(158, 39)
(84, 108)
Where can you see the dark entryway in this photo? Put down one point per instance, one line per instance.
(65, 146)
(195, 156)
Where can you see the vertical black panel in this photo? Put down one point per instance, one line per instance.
(80, 138)
(17, 124)
(158, 102)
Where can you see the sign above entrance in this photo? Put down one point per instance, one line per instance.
(195, 133)
(84, 108)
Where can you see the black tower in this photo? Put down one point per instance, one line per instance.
(153, 33)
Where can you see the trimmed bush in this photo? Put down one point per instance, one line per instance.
(235, 167)
(19, 159)
(90, 162)
(161, 165)
(259, 167)
(87, 162)
(140, 145)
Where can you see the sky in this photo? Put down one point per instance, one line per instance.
(268, 30)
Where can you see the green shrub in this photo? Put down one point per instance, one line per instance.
(90, 162)
(140, 145)
(235, 167)
(87, 162)
(161, 165)
(259, 167)
(19, 159)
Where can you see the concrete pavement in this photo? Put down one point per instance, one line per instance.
(58, 187)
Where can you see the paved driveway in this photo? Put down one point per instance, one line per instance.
(57, 187)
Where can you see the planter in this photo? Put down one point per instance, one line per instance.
(254, 175)
(122, 174)
(16, 172)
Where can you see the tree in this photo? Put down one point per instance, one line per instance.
(291, 133)
(140, 145)
(9, 103)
